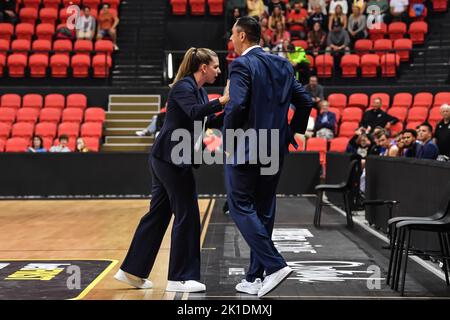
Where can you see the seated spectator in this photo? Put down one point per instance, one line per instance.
(233, 10)
(155, 125)
(313, 4)
(81, 146)
(86, 27)
(297, 21)
(318, 16)
(62, 146)
(8, 11)
(442, 132)
(316, 39)
(383, 143)
(37, 145)
(377, 117)
(411, 146)
(359, 145)
(266, 33)
(316, 90)
(357, 25)
(275, 17)
(273, 4)
(299, 60)
(255, 8)
(342, 3)
(338, 40)
(337, 17)
(325, 125)
(63, 32)
(279, 37)
(429, 149)
(107, 24)
(360, 4)
(396, 146)
(378, 8)
(417, 12)
(399, 10)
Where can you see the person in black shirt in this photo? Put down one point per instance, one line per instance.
(412, 147)
(275, 3)
(8, 11)
(442, 132)
(377, 117)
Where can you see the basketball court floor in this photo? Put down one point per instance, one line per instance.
(70, 249)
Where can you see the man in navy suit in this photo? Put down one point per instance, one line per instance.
(262, 86)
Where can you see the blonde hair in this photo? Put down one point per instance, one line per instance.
(192, 60)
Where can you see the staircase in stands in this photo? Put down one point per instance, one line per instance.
(126, 114)
(141, 43)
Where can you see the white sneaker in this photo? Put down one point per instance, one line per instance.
(185, 286)
(249, 287)
(274, 280)
(141, 133)
(134, 281)
(116, 47)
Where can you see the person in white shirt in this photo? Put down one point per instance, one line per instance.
(62, 146)
(86, 25)
(342, 3)
(399, 9)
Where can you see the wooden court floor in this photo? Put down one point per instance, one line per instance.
(85, 229)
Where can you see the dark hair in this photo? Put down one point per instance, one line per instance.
(40, 141)
(426, 124)
(412, 131)
(251, 27)
(63, 137)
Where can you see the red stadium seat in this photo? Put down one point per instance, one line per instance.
(369, 65)
(59, 63)
(2, 145)
(83, 47)
(337, 100)
(8, 115)
(62, 46)
(402, 99)
(311, 61)
(91, 129)
(347, 129)
(352, 114)
(363, 46)
(423, 99)
(38, 65)
(45, 31)
(94, 114)
(21, 46)
(397, 30)
(299, 141)
(80, 65)
(24, 31)
(413, 124)
(385, 99)
(66, 3)
(2, 64)
(101, 65)
(4, 47)
(16, 145)
(104, 46)
(71, 129)
(382, 46)
(42, 47)
(48, 15)
(317, 144)
(55, 100)
(92, 143)
(179, 7)
(378, 31)
(396, 128)
(300, 43)
(337, 112)
(31, 3)
(350, 65)
(27, 115)
(313, 114)
(72, 115)
(403, 48)
(197, 7)
(64, 13)
(52, 3)
(419, 114)
(398, 112)
(93, 4)
(28, 15)
(5, 130)
(435, 115)
(50, 115)
(114, 4)
(11, 100)
(22, 130)
(358, 100)
(215, 7)
(324, 65)
(76, 100)
(389, 64)
(417, 31)
(6, 31)
(440, 5)
(213, 96)
(339, 144)
(32, 100)
(440, 98)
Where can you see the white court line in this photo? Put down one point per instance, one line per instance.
(437, 272)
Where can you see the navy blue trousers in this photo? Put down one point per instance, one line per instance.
(173, 190)
(252, 202)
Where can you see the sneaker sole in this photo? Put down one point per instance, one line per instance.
(174, 289)
(276, 286)
(247, 292)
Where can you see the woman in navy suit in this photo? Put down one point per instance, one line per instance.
(173, 184)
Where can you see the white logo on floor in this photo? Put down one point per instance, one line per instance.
(292, 240)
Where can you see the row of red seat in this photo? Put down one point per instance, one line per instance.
(38, 101)
(21, 144)
(398, 30)
(57, 3)
(65, 46)
(197, 7)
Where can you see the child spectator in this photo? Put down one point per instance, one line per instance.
(62, 146)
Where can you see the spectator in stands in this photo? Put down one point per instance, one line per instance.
(361, 4)
(279, 37)
(359, 145)
(107, 24)
(155, 125)
(297, 57)
(337, 17)
(377, 117)
(266, 33)
(87, 25)
(335, 3)
(233, 10)
(62, 146)
(275, 17)
(316, 39)
(382, 8)
(37, 145)
(399, 10)
(316, 90)
(255, 8)
(411, 146)
(442, 132)
(313, 4)
(297, 21)
(357, 24)
(273, 4)
(8, 11)
(417, 12)
(396, 146)
(318, 16)
(338, 40)
(383, 143)
(429, 149)
(81, 146)
(325, 125)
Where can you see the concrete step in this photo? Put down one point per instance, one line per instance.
(125, 148)
(120, 132)
(130, 115)
(130, 99)
(124, 107)
(129, 140)
(126, 124)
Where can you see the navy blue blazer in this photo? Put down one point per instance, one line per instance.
(262, 87)
(330, 124)
(186, 104)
